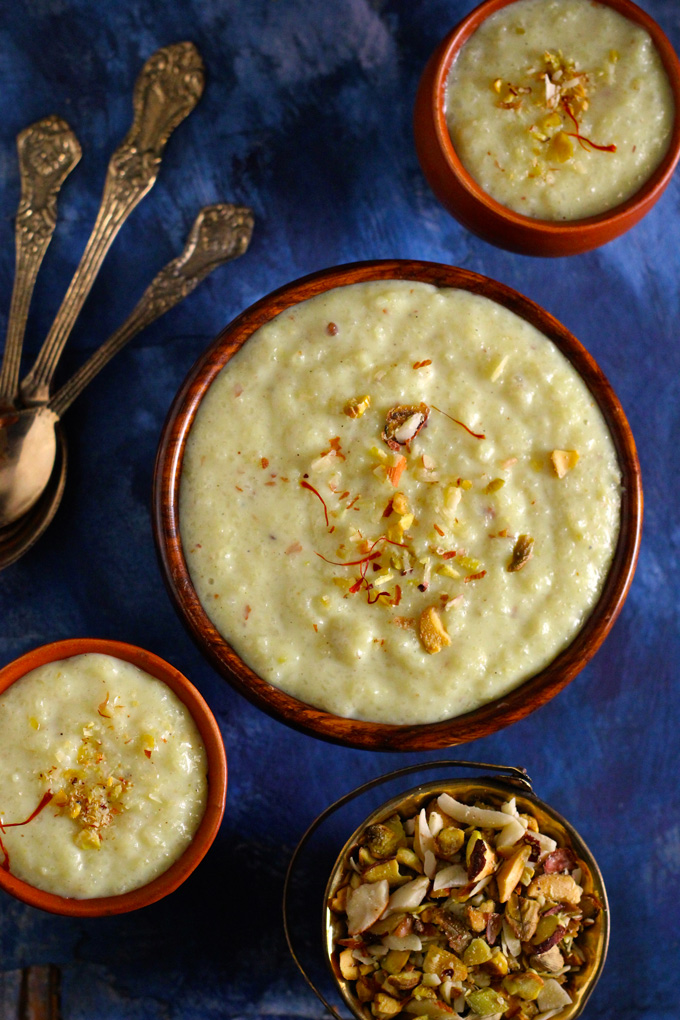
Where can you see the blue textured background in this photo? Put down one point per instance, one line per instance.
(306, 118)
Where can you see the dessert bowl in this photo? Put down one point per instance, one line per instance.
(466, 200)
(430, 282)
(105, 792)
(466, 934)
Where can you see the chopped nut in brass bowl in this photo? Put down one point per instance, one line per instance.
(465, 899)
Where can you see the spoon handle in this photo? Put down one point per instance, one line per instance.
(220, 233)
(48, 151)
(166, 91)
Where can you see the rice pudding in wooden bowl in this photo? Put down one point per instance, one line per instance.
(549, 127)
(466, 898)
(405, 513)
(114, 778)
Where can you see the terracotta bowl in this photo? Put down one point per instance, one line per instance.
(460, 194)
(169, 880)
(534, 692)
(492, 792)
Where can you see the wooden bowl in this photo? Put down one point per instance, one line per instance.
(491, 792)
(531, 694)
(169, 880)
(460, 194)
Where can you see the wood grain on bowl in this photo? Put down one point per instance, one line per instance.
(532, 693)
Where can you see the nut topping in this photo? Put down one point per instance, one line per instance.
(432, 631)
(473, 927)
(403, 424)
(563, 461)
(355, 408)
(522, 553)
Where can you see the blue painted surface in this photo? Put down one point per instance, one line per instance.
(306, 118)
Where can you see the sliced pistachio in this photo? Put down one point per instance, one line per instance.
(383, 839)
(355, 408)
(526, 985)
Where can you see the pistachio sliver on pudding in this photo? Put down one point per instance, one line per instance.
(559, 109)
(398, 502)
(104, 781)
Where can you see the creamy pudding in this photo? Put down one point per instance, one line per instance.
(559, 109)
(104, 779)
(398, 502)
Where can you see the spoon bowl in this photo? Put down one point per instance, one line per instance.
(28, 449)
(29, 438)
(17, 538)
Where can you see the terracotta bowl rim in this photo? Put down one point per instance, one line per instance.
(533, 692)
(586, 230)
(468, 785)
(169, 880)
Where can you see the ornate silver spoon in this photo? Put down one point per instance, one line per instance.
(28, 441)
(48, 151)
(166, 91)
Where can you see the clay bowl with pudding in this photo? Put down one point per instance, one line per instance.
(397, 505)
(115, 778)
(550, 128)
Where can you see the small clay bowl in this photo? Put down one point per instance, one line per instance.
(491, 792)
(460, 194)
(169, 880)
(533, 692)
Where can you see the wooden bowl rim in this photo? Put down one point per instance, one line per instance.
(468, 786)
(169, 880)
(534, 691)
(620, 217)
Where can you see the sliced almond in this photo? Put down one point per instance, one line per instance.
(454, 876)
(366, 904)
(483, 817)
(409, 896)
(509, 874)
(481, 860)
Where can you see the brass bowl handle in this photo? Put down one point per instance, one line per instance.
(512, 774)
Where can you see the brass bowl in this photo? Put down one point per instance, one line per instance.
(594, 940)
(531, 693)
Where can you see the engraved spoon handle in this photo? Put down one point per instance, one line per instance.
(48, 151)
(220, 233)
(166, 91)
